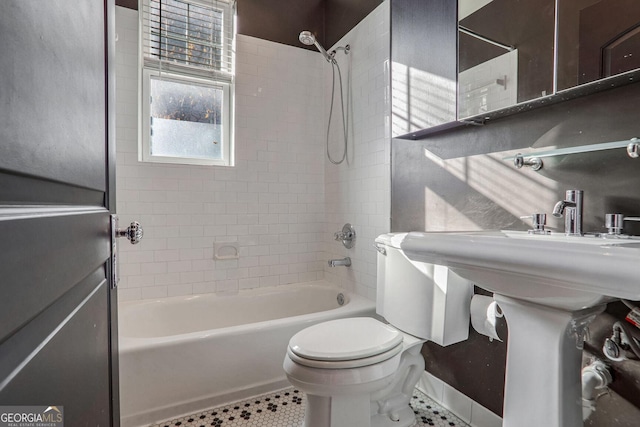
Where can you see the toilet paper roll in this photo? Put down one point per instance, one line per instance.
(484, 312)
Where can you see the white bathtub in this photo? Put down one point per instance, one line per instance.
(182, 354)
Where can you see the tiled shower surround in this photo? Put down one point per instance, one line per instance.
(282, 201)
(358, 191)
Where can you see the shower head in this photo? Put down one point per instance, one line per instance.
(307, 38)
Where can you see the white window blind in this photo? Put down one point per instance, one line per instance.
(192, 37)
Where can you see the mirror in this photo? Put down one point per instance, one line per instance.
(512, 56)
(597, 39)
(505, 53)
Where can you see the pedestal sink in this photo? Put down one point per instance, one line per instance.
(549, 287)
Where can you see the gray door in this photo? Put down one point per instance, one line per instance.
(57, 309)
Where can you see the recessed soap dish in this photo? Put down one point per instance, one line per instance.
(226, 250)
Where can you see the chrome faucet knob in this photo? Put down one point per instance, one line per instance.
(539, 220)
(339, 235)
(347, 236)
(613, 223)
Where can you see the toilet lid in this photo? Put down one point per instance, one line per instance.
(345, 339)
(345, 364)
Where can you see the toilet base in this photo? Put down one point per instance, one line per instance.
(337, 411)
(351, 411)
(406, 418)
(380, 402)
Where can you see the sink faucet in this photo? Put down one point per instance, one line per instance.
(571, 207)
(337, 262)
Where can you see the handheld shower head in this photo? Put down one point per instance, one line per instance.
(307, 38)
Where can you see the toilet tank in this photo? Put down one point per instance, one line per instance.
(424, 300)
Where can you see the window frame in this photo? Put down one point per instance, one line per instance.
(145, 111)
(185, 74)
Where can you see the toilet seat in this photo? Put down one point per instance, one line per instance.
(345, 364)
(345, 343)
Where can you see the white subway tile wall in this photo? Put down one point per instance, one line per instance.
(358, 190)
(283, 200)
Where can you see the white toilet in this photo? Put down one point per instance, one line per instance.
(360, 372)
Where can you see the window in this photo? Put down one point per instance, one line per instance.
(187, 82)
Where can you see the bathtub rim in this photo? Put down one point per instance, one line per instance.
(355, 303)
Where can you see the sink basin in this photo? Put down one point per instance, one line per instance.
(549, 287)
(555, 270)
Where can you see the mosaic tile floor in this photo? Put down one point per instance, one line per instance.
(285, 408)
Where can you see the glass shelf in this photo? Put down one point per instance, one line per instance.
(532, 159)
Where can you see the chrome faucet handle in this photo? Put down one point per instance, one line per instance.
(615, 222)
(539, 220)
(347, 236)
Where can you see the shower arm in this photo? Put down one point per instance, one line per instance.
(328, 56)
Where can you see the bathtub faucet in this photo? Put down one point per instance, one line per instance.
(337, 262)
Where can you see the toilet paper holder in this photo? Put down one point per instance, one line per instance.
(484, 313)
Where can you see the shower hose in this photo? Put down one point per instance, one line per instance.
(334, 65)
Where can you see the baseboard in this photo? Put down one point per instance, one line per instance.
(459, 404)
(186, 408)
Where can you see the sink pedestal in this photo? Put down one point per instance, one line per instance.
(542, 283)
(544, 357)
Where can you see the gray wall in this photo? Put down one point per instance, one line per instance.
(457, 180)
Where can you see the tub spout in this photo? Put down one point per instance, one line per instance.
(337, 262)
